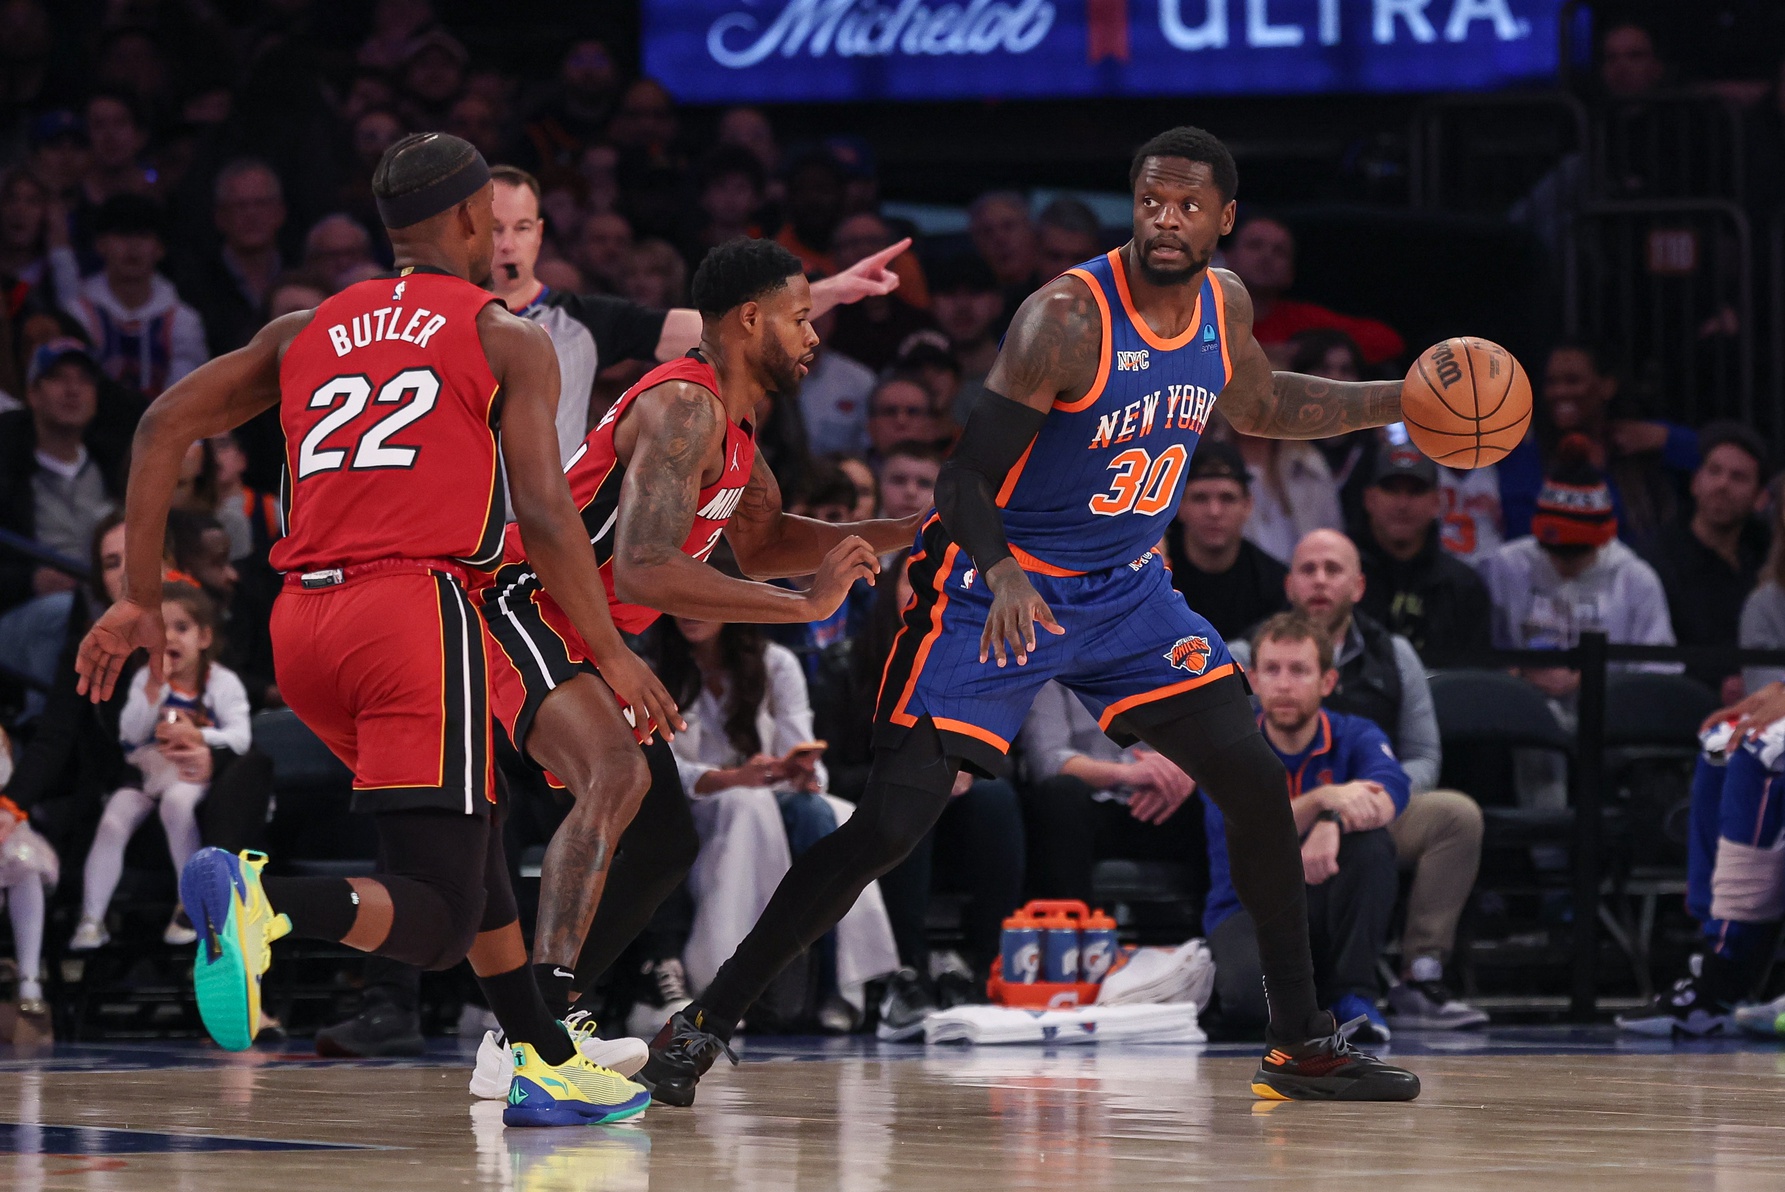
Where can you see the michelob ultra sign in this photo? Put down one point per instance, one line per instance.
(735, 51)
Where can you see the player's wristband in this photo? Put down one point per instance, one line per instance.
(1329, 816)
(998, 432)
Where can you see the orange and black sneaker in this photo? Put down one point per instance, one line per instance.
(1329, 1068)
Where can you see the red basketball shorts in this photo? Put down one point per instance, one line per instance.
(389, 664)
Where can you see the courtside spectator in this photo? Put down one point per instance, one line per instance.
(901, 410)
(1642, 462)
(1293, 493)
(1088, 799)
(1262, 252)
(1763, 613)
(969, 308)
(229, 284)
(1224, 577)
(336, 244)
(1411, 585)
(600, 250)
(1066, 234)
(1003, 236)
(814, 209)
(1381, 678)
(1346, 787)
(834, 396)
(143, 335)
(1709, 565)
(730, 182)
(61, 472)
(908, 479)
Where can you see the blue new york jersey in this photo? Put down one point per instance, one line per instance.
(1100, 484)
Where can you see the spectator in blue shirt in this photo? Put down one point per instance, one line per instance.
(1346, 786)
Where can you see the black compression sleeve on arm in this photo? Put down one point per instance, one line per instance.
(998, 432)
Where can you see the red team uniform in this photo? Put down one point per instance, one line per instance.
(539, 647)
(393, 506)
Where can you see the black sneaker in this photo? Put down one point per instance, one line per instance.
(1686, 1009)
(379, 1031)
(903, 1007)
(680, 1055)
(1329, 1068)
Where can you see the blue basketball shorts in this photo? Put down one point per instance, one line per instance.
(1130, 640)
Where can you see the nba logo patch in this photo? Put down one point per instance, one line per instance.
(1189, 654)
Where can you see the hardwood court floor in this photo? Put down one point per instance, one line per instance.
(1530, 1109)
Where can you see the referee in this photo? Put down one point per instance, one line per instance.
(593, 331)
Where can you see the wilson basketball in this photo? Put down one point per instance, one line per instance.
(1466, 402)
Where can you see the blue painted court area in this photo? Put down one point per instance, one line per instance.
(101, 1140)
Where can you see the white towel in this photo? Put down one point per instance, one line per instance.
(1086, 1024)
(1154, 976)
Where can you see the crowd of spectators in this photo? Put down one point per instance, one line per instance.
(153, 217)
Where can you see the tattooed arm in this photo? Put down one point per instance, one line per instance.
(772, 544)
(1288, 405)
(669, 436)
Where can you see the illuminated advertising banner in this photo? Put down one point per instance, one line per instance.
(735, 51)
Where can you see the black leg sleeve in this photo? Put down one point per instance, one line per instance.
(906, 793)
(1212, 734)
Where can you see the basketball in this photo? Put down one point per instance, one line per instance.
(1466, 402)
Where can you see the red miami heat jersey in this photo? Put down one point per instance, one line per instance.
(595, 475)
(390, 411)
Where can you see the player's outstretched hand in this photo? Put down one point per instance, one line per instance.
(848, 561)
(1016, 607)
(645, 696)
(868, 277)
(119, 632)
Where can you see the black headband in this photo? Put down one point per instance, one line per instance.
(399, 211)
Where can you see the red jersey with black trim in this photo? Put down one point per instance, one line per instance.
(390, 414)
(595, 474)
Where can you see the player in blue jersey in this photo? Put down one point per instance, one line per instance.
(1048, 514)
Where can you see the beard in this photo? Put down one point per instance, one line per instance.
(780, 370)
(1179, 275)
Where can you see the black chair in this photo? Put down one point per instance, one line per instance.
(1483, 716)
(1651, 748)
(313, 831)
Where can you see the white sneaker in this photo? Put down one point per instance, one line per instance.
(1766, 1020)
(179, 931)
(665, 995)
(495, 1059)
(90, 935)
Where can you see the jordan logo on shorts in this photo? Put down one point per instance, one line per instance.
(1189, 654)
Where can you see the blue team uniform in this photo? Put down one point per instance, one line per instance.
(1084, 511)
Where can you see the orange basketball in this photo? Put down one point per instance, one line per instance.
(1466, 402)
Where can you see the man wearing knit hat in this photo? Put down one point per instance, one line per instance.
(1570, 575)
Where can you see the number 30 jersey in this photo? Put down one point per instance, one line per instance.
(1100, 483)
(390, 414)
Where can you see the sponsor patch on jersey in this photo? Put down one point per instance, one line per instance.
(1209, 338)
(1132, 361)
(1189, 654)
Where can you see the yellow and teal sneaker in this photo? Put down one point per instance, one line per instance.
(574, 1093)
(236, 928)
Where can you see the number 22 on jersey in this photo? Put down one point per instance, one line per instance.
(413, 392)
(1143, 483)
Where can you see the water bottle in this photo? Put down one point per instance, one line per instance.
(1096, 947)
(1020, 948)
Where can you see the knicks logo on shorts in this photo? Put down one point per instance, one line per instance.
(1189, 654)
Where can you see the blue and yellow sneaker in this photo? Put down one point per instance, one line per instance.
(574, 1093)
(236, 928)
